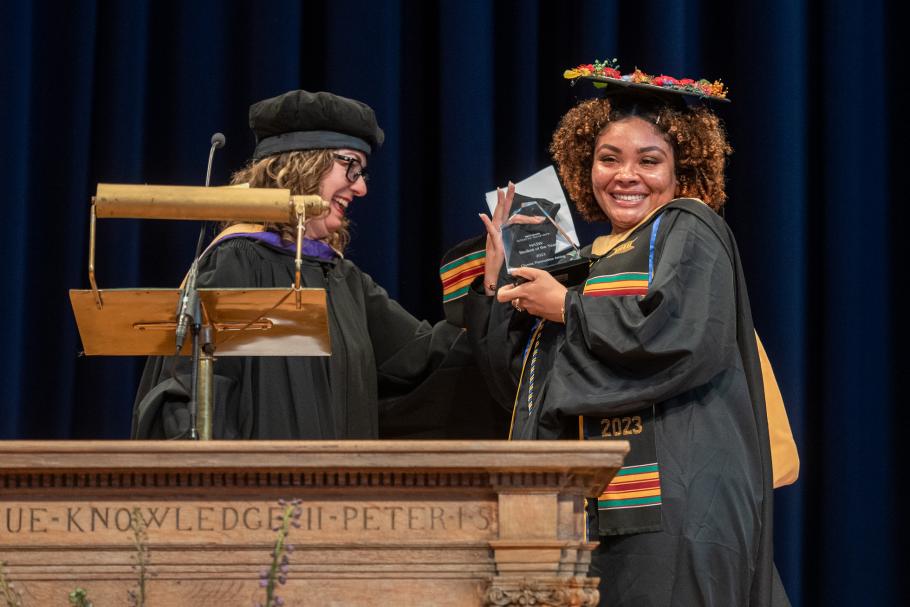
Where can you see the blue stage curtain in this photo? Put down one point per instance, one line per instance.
(468, 93)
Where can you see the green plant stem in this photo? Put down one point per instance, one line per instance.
(277, 553)
(139, 542)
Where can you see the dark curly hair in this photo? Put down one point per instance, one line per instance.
(696, 136)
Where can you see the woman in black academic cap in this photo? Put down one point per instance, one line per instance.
(312, 143)
(655, 347)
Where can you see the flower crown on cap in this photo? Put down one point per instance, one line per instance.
(607, 72)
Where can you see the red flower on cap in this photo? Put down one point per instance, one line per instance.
(663, 80)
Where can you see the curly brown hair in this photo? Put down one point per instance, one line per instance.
(299, 171)
(696, 136)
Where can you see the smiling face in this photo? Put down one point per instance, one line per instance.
(340, 192)
(633, 172)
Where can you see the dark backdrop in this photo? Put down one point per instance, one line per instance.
(468, 93)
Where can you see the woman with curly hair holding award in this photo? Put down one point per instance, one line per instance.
(656, 347)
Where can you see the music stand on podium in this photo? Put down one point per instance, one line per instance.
(288, 321)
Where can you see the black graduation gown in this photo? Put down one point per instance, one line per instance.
(377, 349)
(685, 351)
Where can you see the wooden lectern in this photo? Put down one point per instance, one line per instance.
(383, 523)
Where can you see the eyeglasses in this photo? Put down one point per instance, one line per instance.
(355, 170)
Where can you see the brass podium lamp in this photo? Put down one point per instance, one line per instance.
(234, 322)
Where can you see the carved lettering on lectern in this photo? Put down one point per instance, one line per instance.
(476, 519)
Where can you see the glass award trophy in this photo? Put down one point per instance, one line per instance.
(532, 237)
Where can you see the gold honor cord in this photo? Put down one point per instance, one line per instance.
(534, 337)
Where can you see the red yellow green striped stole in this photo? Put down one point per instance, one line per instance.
(632, 487)
(624, 283)
(457, 275)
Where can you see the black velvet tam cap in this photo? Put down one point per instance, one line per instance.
(300, 120)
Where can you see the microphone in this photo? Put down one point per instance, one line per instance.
(188, 304)
(218, 141)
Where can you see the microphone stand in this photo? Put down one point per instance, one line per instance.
(204, 360)
(203, 349)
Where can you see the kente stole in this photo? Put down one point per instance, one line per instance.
(631, 502)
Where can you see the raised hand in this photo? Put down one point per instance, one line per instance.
(495, 253)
